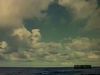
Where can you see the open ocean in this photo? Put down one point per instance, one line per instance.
(48, 71)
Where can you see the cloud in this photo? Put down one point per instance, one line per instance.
(18, 44)
(3, 44)
(36, 49)
(93, 56)
(86, 16)
(21, 33)
(83, 49)
(93, 23)
(82, 7)
(17, 57)
(16, 40)
(14, 11)
(36, 36)
(3, 50)
(12, 14)
(83, 43)
(76, 49)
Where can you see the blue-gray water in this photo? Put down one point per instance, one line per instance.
(47, 71)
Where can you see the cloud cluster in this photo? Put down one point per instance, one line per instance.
(85, 10)
(18, 44)
(93, 23)
(82, 7)
(12, 13)
(83, 44)
(76, 49)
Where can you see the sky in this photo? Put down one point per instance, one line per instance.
(54, 32)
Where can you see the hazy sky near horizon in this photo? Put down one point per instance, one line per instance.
(60, 31)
